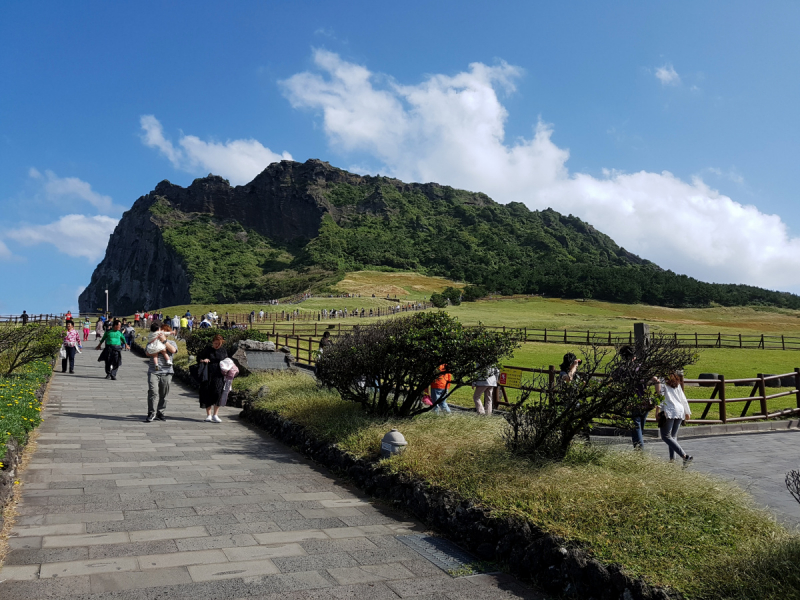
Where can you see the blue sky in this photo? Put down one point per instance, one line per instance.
(671, 126)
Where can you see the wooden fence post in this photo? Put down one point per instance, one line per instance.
(740, 340)
(783, 342)
(797, 385)
(545, 335)
(551, 376)
(565, 336)
(723, 409)
(763, 391)
(609, 338)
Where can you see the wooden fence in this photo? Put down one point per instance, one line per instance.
(17, 319)
(304, 349)
(758, 394)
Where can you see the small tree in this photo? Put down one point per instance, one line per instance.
(473, 292)
(453, 295)
(438, 300)
(546, 419)
(23, 345)
(387, 367)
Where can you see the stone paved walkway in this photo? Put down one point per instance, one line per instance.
(758, 462)
(113, 507)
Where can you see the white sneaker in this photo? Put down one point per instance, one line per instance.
(208, 419)
(216, 419)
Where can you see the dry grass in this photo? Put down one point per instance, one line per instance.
(403, 285)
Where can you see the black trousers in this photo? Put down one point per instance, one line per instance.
(71, 351)
(114, 360)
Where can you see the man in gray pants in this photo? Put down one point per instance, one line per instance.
(158, 381)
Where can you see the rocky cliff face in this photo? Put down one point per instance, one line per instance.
(140, 271)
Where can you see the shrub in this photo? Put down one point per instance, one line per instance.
(453, 295)
(438, 300)
(473, 292)
(20, 346)
(546, 419)
(388, 366)
(198, 339)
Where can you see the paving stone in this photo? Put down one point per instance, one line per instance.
(113, 507)
(88, 567)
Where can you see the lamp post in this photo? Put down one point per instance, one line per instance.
(106, 301)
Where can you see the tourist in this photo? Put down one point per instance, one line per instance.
(72, 342)
(641, 405)
(129, 332)
(87, 327)
(159, 377)
(439, 389)
(488, 388)
(326, 341)
(212, 382)
(176, 325)
(136, 319)
(569, 367)
(672, 411)
(112, 355)
(184, 322)
(99, 329)
(68, 317)
(24, 317)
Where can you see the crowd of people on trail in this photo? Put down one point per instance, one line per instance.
(214, 369)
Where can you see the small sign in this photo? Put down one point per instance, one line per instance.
(510, 378)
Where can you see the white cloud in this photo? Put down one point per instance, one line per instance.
(238, 160)
(451, 129)
(62, 189)
(74, 235)
(667, 75)
(5, 253)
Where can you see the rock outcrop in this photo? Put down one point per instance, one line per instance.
(140, 271)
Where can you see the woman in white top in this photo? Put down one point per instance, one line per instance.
(675, 408)
(486, 387)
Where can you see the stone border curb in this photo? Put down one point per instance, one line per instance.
(530, 553)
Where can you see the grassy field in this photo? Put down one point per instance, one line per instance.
(622, 506)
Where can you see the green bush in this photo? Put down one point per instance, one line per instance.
(20, 346)
(438, 300)
(473, 292)
(453, 295)
(387, 367)
(20, 409)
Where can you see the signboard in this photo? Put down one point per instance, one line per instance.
(510, 378)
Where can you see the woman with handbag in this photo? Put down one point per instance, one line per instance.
(72, 341)
(672, 412)
(212, 383)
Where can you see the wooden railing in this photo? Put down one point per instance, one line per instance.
(758, 394)
(17, 319)
(686, 340)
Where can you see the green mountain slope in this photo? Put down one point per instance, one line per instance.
(301, 226)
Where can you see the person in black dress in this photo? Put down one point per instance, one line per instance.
(211, 387)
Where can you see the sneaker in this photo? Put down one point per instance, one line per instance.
(208, 419)
(150, 418)
(161, 416)
(216, 419)
(157, 367)
(687, 459)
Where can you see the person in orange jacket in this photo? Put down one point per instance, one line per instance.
(438, 389)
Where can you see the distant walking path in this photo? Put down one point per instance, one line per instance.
(758, 462)
(115, 507)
